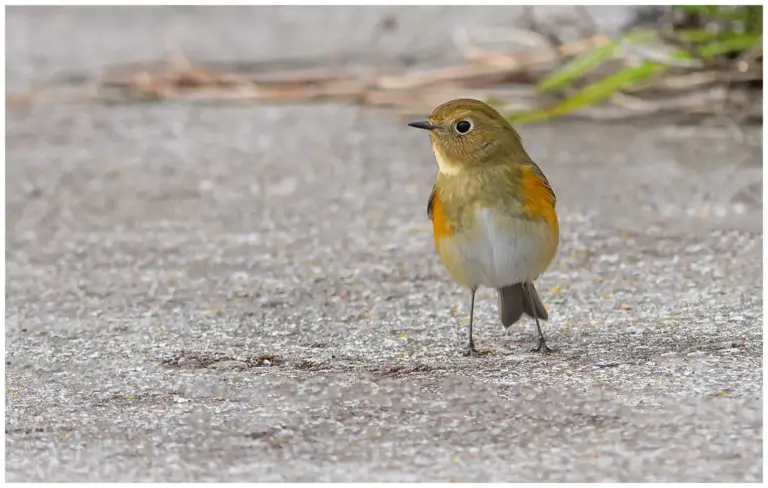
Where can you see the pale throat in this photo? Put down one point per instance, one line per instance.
(445, 165)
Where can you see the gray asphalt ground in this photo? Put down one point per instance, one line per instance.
(202, 293)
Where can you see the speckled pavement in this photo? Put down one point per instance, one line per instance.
(219, 293)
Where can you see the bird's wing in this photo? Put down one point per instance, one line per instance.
(545, 181)
(431, 202)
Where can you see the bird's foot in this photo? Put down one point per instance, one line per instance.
(471, 351)
(542, 347)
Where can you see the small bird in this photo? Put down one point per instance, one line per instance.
(492, 210)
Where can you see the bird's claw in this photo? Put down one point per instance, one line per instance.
(542, 347)
(471, 351)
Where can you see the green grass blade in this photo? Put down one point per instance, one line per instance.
(586, 62)
(695, 35)
(604, 88)
(591, 94)
(732, 43)
(577, 67)
(529, 117)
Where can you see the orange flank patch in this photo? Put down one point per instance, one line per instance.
(441, 226)
(538, 198)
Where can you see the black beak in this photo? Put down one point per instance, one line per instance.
(423, 125)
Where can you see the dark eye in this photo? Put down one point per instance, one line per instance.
(463, 126)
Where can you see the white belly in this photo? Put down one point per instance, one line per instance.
(497, 256)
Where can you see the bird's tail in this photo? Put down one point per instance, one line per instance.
(514, 300)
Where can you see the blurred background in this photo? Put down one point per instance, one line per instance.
(219, 264)
(534, 63)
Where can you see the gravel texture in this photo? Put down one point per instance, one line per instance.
(203, 293)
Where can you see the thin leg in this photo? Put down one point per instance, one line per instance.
(542, 347)
(471, 346)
